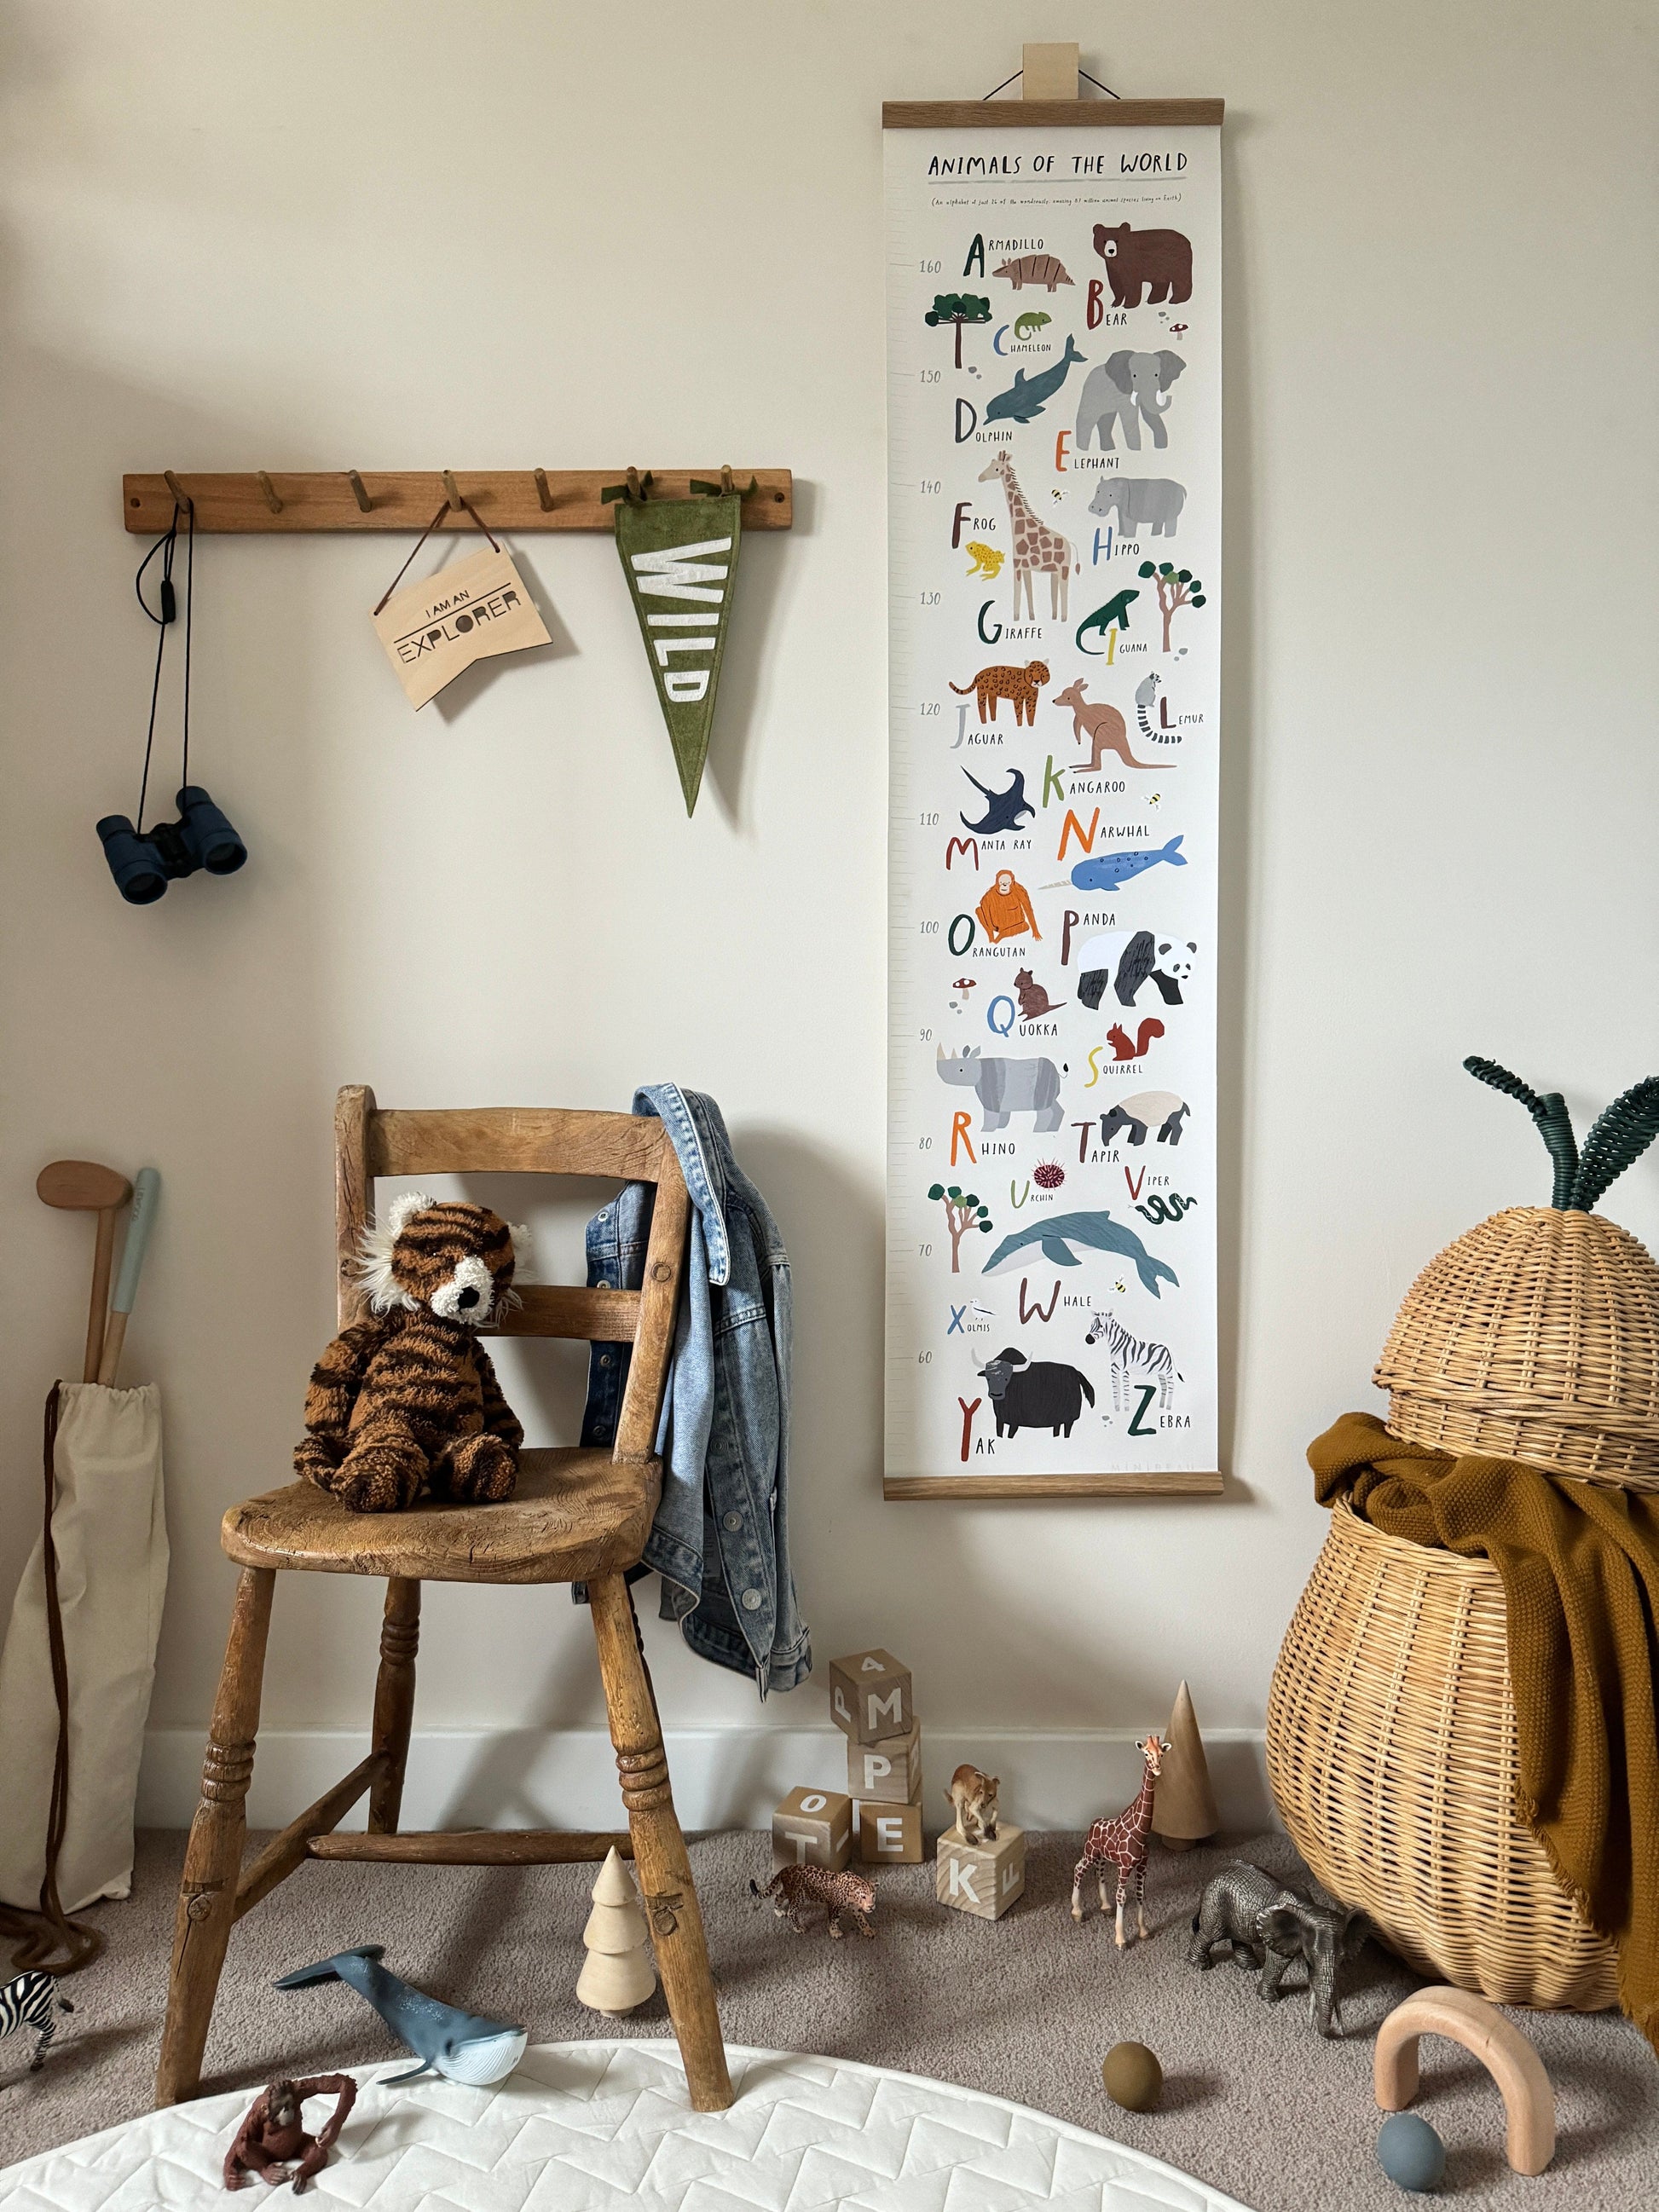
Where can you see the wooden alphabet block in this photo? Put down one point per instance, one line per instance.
(890, 1770)
(870, 1696)
(813, 1828)
(889, 1834)
(984, 1878)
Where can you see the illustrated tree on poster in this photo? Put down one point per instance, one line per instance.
(961, 1214)
(1176, 588)
(956, 309)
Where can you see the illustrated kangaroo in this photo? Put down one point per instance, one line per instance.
(1100, 727)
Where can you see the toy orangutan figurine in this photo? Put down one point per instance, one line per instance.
(273, 2134)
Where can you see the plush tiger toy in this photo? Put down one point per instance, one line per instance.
(408, 1401)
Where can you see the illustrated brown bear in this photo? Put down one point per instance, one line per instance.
(1158, 262)
(407, 1402)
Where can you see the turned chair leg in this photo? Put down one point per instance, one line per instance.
(394, 1701)
(659, 1853)
(213, 1859)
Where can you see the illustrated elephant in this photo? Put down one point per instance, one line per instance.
(1123, 388)
(1152, 503)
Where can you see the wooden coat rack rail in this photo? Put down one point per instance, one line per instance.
(407, 499)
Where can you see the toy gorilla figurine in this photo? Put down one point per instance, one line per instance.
(273, 2134)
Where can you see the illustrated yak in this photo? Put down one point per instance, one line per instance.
(1043, 1395)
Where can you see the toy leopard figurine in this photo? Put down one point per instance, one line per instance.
(407, 1402)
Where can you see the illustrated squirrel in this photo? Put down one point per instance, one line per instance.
(1034, 1000)
(1126, 1048)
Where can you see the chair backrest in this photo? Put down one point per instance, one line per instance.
(371, 1140)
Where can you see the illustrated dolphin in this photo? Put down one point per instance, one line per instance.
(462, 2046)
(1101, 873)
(1094, 1232)
(1026, 396)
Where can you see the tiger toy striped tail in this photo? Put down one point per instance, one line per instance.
(30, 2001)
(407, 1401)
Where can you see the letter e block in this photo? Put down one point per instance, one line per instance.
(984, 1878)
(890, 1770)
(890, 1835)
(870, 1696)
(813, 1828)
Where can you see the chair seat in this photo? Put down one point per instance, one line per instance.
(576, 1513)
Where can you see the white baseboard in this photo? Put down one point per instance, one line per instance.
(724, 1778)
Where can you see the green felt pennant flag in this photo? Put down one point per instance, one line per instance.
(680, 556)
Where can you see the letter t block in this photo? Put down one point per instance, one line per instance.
(870, 1696)
(813, 1828)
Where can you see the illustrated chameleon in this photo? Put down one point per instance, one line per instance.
(1030, 322)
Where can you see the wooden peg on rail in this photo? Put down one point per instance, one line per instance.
(543, 497)
(452, 494)
(177, 489)
(510, 499)
(365, 504)
(270, 491)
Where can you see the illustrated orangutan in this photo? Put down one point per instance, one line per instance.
(273, 2134)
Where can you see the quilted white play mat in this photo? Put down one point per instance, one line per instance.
(586, 2127)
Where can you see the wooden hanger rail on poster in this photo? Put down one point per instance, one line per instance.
(407, 499)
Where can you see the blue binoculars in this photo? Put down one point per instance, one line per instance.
(144, 866)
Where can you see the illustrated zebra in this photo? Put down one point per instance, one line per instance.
(27, 2001)
(1132, 1360)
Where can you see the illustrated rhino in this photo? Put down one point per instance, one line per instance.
(1153, 503)
(1043, 1395)
(1007, 1086)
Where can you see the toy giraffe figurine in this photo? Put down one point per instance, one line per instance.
(1122, 1842)
(1035, 546)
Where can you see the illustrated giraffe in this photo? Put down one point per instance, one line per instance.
(1035, 546)
(1122, 1842)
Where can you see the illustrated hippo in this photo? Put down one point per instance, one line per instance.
(1149, 503)
(1007, 1086)
(1043, 1395)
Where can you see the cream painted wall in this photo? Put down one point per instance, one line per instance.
(321, 234)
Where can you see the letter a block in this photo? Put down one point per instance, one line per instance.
(890, 1770)
(984, 1878)
(890, 1835)
(870, 1696)
(813, 1828)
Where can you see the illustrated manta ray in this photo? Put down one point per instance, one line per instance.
(1093, 1232)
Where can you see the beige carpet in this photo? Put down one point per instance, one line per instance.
(1255, 2102)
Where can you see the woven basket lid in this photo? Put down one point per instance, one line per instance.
(1535, 1336)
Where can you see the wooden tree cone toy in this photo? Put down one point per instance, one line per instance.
(617, 1973)
(1183, 1804)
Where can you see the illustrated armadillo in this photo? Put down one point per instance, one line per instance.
(1033, 268)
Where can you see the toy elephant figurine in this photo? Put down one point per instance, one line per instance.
(1125, 388)
(1269, 1923)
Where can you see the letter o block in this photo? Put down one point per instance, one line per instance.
(984, 1878)
(889, 1771)
(870, 1696)
(813, 1828)
(890, 1835)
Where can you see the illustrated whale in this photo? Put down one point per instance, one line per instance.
(1103, 870)
(1024, 396)
(1094, 1232)
(462, 2046)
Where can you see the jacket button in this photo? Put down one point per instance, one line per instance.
(751, 1600)
(602, 1284)
(605, 1359)
(731, 1521)
(602, 1434)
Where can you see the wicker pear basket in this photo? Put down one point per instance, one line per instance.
(1392, 1757)
(1392, 1749)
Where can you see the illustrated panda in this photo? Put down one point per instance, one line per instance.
(1126, 962)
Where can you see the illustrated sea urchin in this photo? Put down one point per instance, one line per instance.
(1048, 1175)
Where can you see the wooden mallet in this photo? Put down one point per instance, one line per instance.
(83, 1186)
(146, 1189)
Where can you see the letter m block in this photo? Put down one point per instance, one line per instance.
(870, 1696)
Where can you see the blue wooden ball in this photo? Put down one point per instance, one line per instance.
(1410, 2153)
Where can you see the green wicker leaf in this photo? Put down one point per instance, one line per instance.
(1549, 1112)
(1617, 1140)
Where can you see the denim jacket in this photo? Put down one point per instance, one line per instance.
(721, 1540)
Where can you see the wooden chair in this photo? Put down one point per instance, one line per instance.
(577, 1515)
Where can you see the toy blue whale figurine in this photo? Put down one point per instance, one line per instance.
(1105, 869)
(462, 2046)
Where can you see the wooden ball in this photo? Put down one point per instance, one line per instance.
(1132, 2076)
(1410, 2153)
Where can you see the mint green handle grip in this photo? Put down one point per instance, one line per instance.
(146, 1190)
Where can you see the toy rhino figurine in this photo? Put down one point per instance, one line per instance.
(1270, 1923)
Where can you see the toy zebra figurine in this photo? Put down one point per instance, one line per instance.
(1122, 1842)
(27, 2001)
